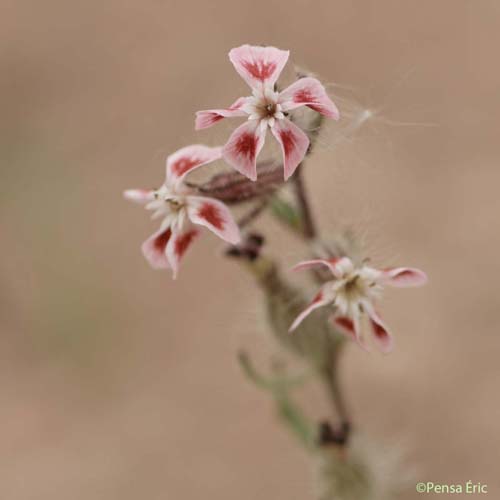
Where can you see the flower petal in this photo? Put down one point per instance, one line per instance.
(215, 216)
(187, 159)
(308, 92)
(177, 247)
(332, 264)
(141, 196)
(403, 277)
(344, 266)
(351, 328)
(154, 249)
(294, 143)
(258, 65)
(382, 336)
(324, 297)
(209, 117)
(243, 147)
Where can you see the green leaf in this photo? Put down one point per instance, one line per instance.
(288, 411)
(286, 213)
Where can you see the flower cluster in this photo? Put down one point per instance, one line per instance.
(179, 205)
(183, 207)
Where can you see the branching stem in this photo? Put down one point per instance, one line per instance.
(251, 215)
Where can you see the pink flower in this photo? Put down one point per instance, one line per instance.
(260, 67)
(353, 292)
(181, 210)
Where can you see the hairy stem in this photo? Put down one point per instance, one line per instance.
(331, 379)
(309, 226)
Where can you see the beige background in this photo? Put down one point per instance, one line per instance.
(117, 383)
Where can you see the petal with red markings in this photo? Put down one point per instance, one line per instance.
(324, 297)
(209, 117)
(294, 143)
(215, 216)
(243, 147)
(187, 159)
(329, 263)
(154, 249)
(381, 334)
(403, 277)
(349, 327)
(259, 65)
(178, 246)
(308, 92)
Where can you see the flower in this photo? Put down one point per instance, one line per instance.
(260, 67)
(181, 209)
(352, 293)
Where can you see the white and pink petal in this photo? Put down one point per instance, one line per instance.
(187, 159)
(141, 196)
(403, 277)
(350, 327)
(294, 143)
(344, 266)
(154, 249)
(308, 92)
(259, 65)
(332, 264)
(243, 146)
(209, 117)
(324, 297)
(381, 334)
(177, 247)
(215, 216)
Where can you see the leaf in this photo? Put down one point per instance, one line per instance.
(288, 411)
(286, 213)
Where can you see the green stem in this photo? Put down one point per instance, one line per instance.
(296, 421)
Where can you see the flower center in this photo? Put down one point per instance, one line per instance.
(356, 287)
(265, 108)
(269, 110)
(174, 205)
(353, 288)
(165, 203)
(264, 105)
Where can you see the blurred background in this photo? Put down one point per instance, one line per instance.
(118, 383)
